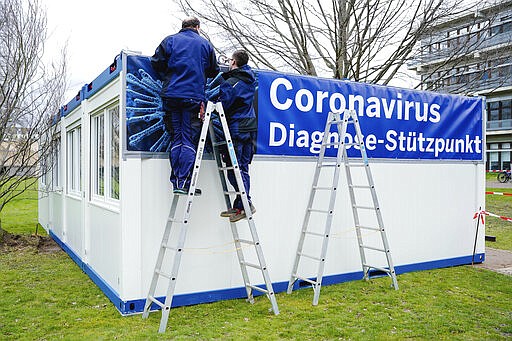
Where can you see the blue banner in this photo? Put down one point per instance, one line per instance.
(145, 130)
(396, 123)
(292, 111)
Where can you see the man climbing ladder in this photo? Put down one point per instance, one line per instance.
(175, 251)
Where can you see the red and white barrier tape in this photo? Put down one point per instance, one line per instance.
(498, 193)
(482, 213)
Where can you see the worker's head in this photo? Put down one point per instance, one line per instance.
(191, 22)
(239, 59)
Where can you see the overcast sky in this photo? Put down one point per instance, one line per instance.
(97, 30)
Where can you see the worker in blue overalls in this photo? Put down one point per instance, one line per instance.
(237, 95)
(183, 62)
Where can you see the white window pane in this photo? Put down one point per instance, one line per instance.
(114, 153)
(98, 155)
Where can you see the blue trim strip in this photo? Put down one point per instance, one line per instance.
(137, 306)
(104, 78)
(73, 104)
(112, 295)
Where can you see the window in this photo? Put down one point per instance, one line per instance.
(493, 161)
(506, 110)
(114, 153)
(74, 171)
(499, 156)
(43, 171)
(493, 111)
(105, 154)
(56, 163)
(499, 110)
(505, 156)
(98, 155)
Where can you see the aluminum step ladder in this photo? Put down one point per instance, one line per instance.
(182, 221)
(349, 117)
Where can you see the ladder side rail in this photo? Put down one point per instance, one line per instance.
(378, 212)
(335, 117)
(346, 117)
(184, 224)
(307, 215)
(218, 160)
(234, 231)
(160, 257)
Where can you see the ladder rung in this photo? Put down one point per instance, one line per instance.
(336, 121)
(317, 210)
(306, 280)
(309, 256)
(328, 165)
(163, 274)
(356, 164)
(256, 266)
(219, 143)
(361, 186)
(226, 168)
(353, 144)
(330, 144)
(322, 188)
(231, 192)
(315, 233)
(174, 220)
(157, 302)
(364, 207)
(169, 247)
(377, 268)
(373, 248)
(247, 241)
(369, 228)
(256, 288)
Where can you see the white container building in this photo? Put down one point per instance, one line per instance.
(107, 199)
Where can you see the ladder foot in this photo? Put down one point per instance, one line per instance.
(271, 310)
(291, 283)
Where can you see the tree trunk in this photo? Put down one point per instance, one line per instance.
(3, 233)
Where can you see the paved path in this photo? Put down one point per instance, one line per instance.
(497, 184)
(497, 260)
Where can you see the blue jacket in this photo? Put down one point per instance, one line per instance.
(183, 61)
(237, 97)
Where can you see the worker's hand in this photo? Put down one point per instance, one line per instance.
(201, 112)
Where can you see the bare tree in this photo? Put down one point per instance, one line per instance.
(30, 95)
(362, 40)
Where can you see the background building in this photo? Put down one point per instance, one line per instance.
(471, 54)
(18, 152)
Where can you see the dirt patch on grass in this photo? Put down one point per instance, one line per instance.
(15, 242)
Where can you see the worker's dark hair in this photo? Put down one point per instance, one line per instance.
(190, 22)
(241, 57)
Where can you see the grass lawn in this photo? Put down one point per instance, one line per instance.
(20, 214)
(502, 206)
(45, 296)
(501, 229)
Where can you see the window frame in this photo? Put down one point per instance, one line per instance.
(95, 155)
(74, 159)
(56, 156)
(108, 157)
